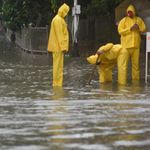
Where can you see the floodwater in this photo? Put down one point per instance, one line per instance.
(35, 116)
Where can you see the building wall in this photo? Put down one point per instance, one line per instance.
(94, 32)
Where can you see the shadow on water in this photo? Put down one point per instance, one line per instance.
(77, 116)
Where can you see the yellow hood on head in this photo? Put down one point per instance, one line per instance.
(131, 8)
(92, 59)
(63, 10)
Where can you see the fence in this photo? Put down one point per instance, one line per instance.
(32, 39)
(92, 33)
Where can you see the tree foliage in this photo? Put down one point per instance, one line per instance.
(13, 18)
(19, 13)
(99, 7)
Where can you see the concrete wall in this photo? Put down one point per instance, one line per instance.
(94, 32)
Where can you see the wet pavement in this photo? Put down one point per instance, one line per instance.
(35, 116)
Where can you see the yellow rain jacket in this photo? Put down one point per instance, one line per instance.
(59, 38)
(131, 39)
(108, 60)
(58, 43)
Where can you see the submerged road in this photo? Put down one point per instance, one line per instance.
(35, 116)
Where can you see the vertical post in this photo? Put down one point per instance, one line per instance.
(75, 22)
(146, 67)
(147, 51)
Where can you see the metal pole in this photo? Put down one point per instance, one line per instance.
(75, 14)
(75, 22)
(146, 67)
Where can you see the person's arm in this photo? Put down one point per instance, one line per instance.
(121, 28)
(105, 48)
(61, 34)
(142, 26)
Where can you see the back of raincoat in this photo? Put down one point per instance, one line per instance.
(59, 38)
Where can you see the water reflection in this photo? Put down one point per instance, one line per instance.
(57, 126)
(58, 93)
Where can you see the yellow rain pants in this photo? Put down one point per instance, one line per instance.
(105, 72)
(122, 64)
(58, 61)
(123, 59)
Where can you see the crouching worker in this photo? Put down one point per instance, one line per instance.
(106, 58)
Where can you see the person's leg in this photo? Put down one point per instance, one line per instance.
(105, 72)
(58, 62)
(122, 62)
(135, 64)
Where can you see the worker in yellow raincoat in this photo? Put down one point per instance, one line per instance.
(130, 29)
(106, 58)
(58, 43)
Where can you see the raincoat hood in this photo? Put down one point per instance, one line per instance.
(131, 8)
(63, 10)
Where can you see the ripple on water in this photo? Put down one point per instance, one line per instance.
(132, 143)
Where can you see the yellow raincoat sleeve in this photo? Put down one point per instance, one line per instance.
(106, 47)
(121, 28)
(142, 26)
(61, 32)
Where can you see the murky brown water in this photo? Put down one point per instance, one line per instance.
(35, 116)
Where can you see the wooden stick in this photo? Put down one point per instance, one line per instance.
(93, 70)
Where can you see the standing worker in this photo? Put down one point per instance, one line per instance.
(58, 43)
(130, 29)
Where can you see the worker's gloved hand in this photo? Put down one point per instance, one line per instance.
(134, 27)
(98, 63)
(99, 52)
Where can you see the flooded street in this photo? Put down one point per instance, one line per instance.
(35, 116)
